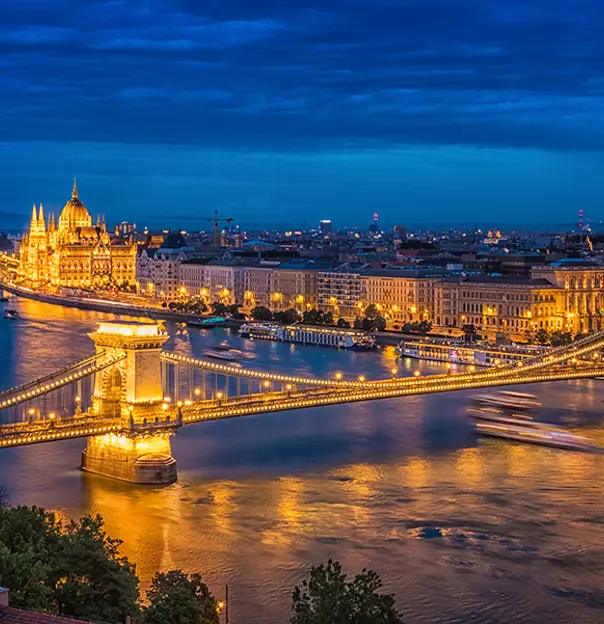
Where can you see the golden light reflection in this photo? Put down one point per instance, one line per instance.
(470, 465)
(223, 505)
(415, 473)
(289, 513)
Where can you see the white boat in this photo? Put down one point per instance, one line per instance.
(356, 340)
(530, 432)
(462, 353)
(224, 353)
(507, 401)
(509, 415)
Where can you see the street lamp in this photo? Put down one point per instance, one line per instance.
(338, 376)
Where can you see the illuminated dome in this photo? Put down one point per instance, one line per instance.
(74, 213)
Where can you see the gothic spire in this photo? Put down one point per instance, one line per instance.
(74, 193)
(34, 217)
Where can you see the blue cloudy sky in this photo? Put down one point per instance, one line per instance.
(294, 110)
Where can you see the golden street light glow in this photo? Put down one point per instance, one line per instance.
(416, 373)
(338, 376)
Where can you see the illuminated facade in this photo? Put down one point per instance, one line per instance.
(74, 252)
(581, 287)
(508, 305)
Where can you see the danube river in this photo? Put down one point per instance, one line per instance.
(461, 530)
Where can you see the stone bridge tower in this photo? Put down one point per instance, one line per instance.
(131, 390)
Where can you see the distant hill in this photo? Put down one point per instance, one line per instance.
(10, 222)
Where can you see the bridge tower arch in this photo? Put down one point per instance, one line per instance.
(131, 389)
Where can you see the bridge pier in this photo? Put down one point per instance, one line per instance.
(136, 458)
(131, 390)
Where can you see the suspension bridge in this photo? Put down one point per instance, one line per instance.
(131, 396)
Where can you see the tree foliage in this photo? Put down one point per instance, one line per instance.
(561, 339)
(261, 313)
(418, 327)
(71, 569)
(342, 322)
(288, 317)
(542, 337)
(178, 598)
(470, 332)
(329, 598)
(317, 317)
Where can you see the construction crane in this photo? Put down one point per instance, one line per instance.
(214, 219)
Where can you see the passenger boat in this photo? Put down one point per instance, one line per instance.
(211, 321)
(306, 334)
(509, 415)
(11, 314)
(460, 353)
(530, 432)
(224, 352)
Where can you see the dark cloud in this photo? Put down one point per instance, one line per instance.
(305, 74)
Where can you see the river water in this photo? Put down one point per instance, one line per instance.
(461, 530)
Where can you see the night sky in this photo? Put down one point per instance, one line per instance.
(292, 110)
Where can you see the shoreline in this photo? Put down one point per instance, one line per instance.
(112, 307)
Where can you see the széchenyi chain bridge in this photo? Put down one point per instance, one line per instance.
(131, 396)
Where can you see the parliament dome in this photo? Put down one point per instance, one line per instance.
(74, 213)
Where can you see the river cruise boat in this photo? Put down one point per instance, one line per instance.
(11, 314)
(460, 353)
(306, 334)
(509, 415)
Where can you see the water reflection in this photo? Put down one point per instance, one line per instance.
(461, 530)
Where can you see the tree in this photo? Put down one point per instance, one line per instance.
(342, 322)
(220, 309)
(378, 323)
(328, 598)
(371, 311)
(261, 313)
(177, 598)
(542, 336)
(358, 322)
(582, 334)
(310, 317)
(470, 333)
(70, 569)
(424, 327)
(561, 339)
(3, 497)
(288, 317)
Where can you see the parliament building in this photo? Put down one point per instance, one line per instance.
(75, 253)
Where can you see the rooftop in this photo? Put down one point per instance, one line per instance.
(10, 615)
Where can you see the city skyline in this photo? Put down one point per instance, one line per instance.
(448, 112)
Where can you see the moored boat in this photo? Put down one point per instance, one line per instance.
(11, 314)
